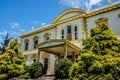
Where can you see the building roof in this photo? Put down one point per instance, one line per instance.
(82, 14)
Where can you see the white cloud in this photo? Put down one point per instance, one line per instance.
(21, 30)
(35, 22)
(1, 39)
(14, 25)
(3, 33)
(92, 3)
(43, 24)
(11, 34)
(80, 3)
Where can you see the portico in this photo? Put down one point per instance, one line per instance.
(60, 48)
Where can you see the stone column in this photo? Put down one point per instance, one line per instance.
(74, 57)
(52, 62)
(65, 50)
(84, 28)
(29, 61)
(38, 54)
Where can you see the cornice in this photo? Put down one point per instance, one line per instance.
(84, 15)
(67, 12)
(35, 38)
(104, 10)
(37, 31)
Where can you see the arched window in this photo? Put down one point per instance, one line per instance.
(47, 36)
(76, 32)
(69, 29)
(62, 34)
(35, 39)
(26, 42)
(69, 33)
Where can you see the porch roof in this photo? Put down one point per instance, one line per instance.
(57, 46)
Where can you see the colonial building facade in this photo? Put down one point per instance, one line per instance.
(63, 37)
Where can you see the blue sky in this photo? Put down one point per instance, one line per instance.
(17, 16)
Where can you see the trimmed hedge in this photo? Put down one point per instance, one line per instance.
(34, 70)
(62, 67)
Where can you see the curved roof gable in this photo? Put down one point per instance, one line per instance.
(68, 13)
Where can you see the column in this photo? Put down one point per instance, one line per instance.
(84, 28)
(29, 61)
(52, 62)
(59, 56)
(73, 57)
(38, 54)
(65, 50)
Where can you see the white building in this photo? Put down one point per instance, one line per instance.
(63, 37)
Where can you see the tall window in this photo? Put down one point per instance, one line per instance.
(69, 29)
(75, 32)
(26, 42)
(62, 34)
(26, 46)
(47, 36)
(35, 43)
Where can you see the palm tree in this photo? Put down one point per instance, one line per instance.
(5, 43)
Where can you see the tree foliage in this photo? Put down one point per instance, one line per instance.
(12, 61)
(61, 69)
(100, 57)
(5, 43)
(34, 70)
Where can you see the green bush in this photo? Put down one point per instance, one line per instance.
(36, 70)
(25, 76)
(100, 56)
(61, 69)
(12, 61)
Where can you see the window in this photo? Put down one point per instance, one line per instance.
(62, 34)
(75, 32)
(47, 36)
(34, 60)
(26, 46)
(35, 43)
(69, 29)
(26, 42)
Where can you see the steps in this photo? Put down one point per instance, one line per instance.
(48, 77)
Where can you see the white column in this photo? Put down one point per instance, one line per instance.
(52, 62)
(65, 50)
(41, 54)
(29, 60)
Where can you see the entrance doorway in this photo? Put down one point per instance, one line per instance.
(45, 65)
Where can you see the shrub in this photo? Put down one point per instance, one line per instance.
(36, 70)
(25, 76)
(12, 61)
(100, 57)
(61, 69)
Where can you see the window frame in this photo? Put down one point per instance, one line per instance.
(62, 33)
(76, 32)
(35, 44)
(69, 29)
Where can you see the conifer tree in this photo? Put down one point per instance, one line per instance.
(12, 61)
(100, 57)
(5, 43)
